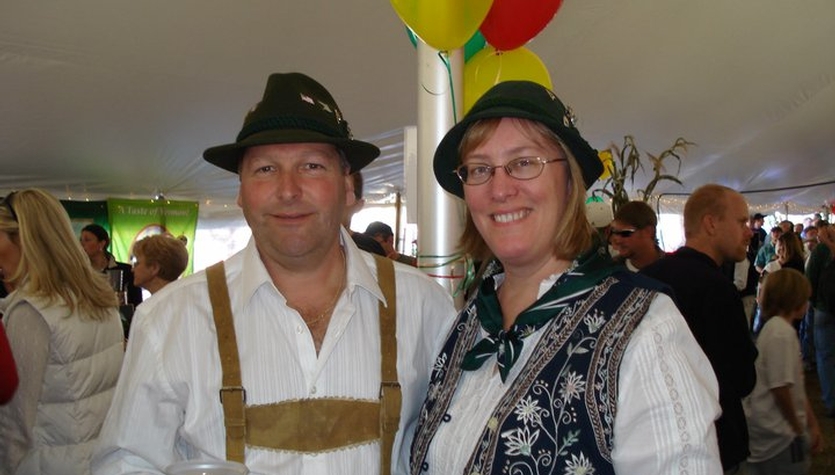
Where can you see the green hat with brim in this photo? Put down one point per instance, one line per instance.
(522, 100)
(295, 109)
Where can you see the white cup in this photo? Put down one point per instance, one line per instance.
(206, 467)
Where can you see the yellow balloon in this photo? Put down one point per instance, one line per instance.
(443, 24)
(489, 67)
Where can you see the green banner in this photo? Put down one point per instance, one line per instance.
(132, 220)
(83, 213)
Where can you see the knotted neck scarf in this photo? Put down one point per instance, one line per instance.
(581, 277)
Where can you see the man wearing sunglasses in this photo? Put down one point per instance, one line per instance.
(632, 235)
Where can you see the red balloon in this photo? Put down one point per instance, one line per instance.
(512, 23)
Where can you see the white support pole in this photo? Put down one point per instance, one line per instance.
(440, 215)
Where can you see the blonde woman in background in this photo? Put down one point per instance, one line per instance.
(158, 260)
(64, 329)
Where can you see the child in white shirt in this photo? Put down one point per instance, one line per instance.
(783, 429)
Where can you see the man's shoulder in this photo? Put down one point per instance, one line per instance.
(690, 269)
(189, 289)
(641, 281)
(820, 253)
(668, 266)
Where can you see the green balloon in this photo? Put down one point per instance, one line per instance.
(473, 45)
(412, 36)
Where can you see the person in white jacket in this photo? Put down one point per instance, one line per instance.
(64, 330)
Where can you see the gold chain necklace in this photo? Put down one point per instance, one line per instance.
(339, 289)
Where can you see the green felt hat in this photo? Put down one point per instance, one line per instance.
(295, 109)
(523, 100)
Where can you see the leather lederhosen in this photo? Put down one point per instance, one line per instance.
(308, 425)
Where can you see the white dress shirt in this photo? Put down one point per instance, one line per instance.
(166, 406)
(668, 399)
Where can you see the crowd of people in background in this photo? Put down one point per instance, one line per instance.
(784, 278)
(583, 347)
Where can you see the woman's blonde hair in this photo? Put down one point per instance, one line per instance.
(783, 292)
(167, 252)
(576, 234)
(52, 264)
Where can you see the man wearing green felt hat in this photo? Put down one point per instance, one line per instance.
(300, 354)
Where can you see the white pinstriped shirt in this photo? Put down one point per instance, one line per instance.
(166, 406)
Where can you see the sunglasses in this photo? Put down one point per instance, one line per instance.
(7, 202)
(623, 232)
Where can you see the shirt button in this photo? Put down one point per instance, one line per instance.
(299, 329)
(313, 390)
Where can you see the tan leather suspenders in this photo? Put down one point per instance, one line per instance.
(308, 425)
(390, 395)
(232, 394)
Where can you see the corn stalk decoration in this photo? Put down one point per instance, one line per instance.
(623, 163)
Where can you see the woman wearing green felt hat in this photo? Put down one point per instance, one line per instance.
(560, 362)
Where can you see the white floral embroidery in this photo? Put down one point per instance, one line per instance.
(440, 362)
(572, 386)
(578, 465)
(527, 331)
(520, 441)
(594, 321)
(528, 411)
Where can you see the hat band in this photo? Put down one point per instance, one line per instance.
(518, 103)
(289, 122)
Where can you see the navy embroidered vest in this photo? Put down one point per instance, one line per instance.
(558, 415)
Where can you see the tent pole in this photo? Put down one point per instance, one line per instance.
(398, 212)
(440, 215)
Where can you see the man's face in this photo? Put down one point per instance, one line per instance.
(628, 240)
(732, 234)
(294, 198)
(386, 241)
(811, 239)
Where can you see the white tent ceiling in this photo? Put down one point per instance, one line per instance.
(119, 98)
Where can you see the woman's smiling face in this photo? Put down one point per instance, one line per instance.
(517, 218)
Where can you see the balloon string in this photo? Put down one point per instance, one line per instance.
(469, 267)
(445, 59)
(499, 69)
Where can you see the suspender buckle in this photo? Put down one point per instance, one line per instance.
(232, 389)
(386, 386)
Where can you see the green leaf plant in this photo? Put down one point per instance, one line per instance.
(624, 163)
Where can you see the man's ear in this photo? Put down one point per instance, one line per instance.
(350, 198)
(709, 222)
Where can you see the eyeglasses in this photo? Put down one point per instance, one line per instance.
(623, 232)
(7, 202)
(522, 168)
